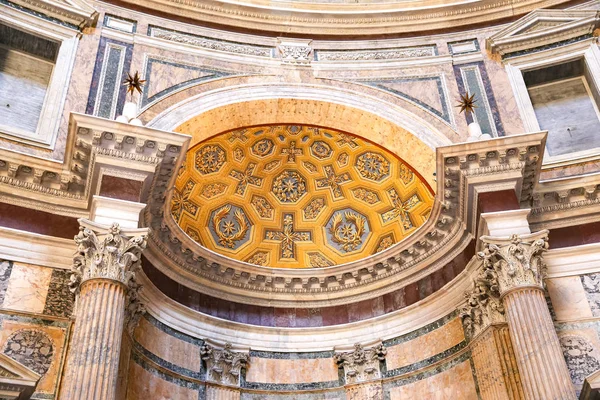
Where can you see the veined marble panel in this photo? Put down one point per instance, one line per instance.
(425, 346)
(454, 383)
(27, 288)
(164, 76)
(291, 371)
(39, 345)
(169, 348)
(568, 297)
(144, 384)
(426, 92)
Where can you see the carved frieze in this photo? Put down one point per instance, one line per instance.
(517, 261)
(362, 364)
(224, 366)
(374, 55)
(483, 304)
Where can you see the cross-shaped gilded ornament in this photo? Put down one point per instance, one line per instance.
(291, 151)
(238, 135)
(346, 139)
(288, 237)
(246, 178)
(400, 209)
(333, 181)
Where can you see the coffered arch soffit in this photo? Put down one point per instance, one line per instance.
(388, 125)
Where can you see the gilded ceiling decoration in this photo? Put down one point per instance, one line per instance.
(297, 196)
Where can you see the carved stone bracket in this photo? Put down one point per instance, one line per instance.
(517, 260)
(484, 306)
(362, 364)
(224, 366)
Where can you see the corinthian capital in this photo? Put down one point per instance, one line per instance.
(362, 364)
(224, 366)
(517, 260)
(483, 304)
(106, 252)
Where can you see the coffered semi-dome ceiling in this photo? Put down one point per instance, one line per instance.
(292, 196)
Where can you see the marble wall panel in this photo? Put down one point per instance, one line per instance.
(568, 298)
(454, 383)
(426, 345)
(27, 288)
(5, 270)
(581, 349)
(167, 347)
(291, 371)
(39, 345)
(60, 300)
(143, 384)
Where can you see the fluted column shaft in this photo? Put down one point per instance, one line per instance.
(103, 276)
(495, 364)
(94, 355)
(537, 349)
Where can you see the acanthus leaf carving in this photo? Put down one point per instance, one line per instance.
(115, 257)
(362, 364)
(224, 366)
(483, 303)
(517, 260)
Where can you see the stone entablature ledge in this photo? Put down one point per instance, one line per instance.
(346, 18)
(464, 170)
(95, 145)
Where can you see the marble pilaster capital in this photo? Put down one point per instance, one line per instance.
(362, 364)
(516, 260)
(224, 365)
(106, 252)
(483, 303)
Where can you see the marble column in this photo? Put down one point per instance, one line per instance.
(103, 276)
(516, 266)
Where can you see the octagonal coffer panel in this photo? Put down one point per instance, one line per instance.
(295, 196)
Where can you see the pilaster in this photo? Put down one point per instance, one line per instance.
(362, 371)
(516, 266)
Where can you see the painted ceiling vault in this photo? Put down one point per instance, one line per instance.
(297, 196)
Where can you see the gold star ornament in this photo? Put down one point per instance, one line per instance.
(467, 103)
(134, 83)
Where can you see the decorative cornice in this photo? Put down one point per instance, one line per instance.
(77, 13)
(346, 18)
(224, 366)
(362, 364)
(516, 261)
(561, 25)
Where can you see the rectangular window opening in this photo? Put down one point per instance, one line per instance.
(26, 66)
(565, 101)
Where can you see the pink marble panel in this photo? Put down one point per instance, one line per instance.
(426, 345)
(270, 370)
(454, 383)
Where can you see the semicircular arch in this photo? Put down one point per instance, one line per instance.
(403, 133)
